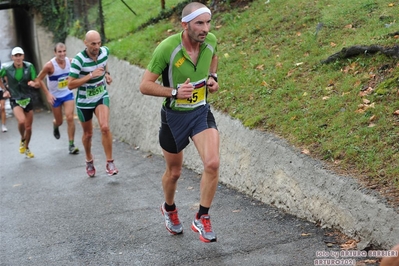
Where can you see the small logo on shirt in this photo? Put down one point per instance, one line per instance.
(180, 62)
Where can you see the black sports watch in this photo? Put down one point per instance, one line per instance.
(174, 93)
(214, 76)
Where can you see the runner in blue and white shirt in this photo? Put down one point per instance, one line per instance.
(57, 71)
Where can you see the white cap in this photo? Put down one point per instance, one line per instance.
(17, 50)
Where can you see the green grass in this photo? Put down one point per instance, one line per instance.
(121, 22)
(271, 77)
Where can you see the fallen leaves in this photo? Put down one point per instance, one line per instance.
(350, 244)
(264, 84)
(350, 68)
(260, 67)
(290, 72)
(366, 92)
(363, 108)
(365, 101)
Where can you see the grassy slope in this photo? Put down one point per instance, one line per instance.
(271, 77)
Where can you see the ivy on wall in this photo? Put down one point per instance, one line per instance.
(63, 17)
(56, 14)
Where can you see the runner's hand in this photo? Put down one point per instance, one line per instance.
(50, 99)
(212, 85)
(108, 79)
(33, 84)
(185, 90)
(98, 72)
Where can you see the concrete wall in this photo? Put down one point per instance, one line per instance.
(255, 163)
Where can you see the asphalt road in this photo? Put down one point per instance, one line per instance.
(52, 213)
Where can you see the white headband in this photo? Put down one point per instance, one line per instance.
(195, 14)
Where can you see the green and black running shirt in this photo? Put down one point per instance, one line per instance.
(95, 89)
(18, 79)
(171, 60)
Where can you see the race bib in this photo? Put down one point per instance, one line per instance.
(91, 92)
(23, 102)
(62, 82)
(197, 99)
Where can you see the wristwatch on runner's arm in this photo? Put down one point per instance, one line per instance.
(174, 93)
(214, 76)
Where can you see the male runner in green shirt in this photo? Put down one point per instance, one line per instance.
(21, 78)
(187, 62)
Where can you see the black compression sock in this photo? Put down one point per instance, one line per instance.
(170, 208)
(202, 210)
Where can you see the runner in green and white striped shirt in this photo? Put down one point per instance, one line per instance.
(89, 74)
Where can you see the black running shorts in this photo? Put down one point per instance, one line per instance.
(178, 127)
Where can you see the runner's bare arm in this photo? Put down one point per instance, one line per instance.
(212, 84)
(149, 86)
(74, 83)
(6, 93)
(2, 85)
(214, 64)
(39, 84)
(108, 77)
(48, 69)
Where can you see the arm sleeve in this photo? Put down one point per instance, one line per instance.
(75, 69)
(158, 62)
